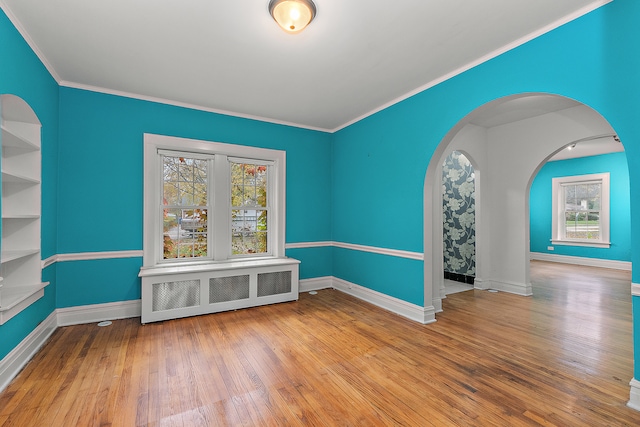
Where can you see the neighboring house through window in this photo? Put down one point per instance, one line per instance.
(581, 210)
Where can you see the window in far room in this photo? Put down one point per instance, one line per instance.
(581, 210)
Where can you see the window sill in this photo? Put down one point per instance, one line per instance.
(581, 243)
(159, 270)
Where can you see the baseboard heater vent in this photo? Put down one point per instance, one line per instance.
(171, 292)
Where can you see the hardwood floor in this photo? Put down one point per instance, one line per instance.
(562, 357)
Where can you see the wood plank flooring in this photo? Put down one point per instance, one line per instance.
(562, 357)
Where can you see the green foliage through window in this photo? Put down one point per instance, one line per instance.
(185, 212)
(249, 210)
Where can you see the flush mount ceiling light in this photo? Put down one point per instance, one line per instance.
(292, 15)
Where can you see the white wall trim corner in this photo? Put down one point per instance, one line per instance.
(480, 284)
(13, 362)
(315, 284)
(635, 289)
(524, 289)
(303, 245)
(411, 311)
(634, 399)
(99, 312)
(589, 262)
(437, 304)
(49, 261)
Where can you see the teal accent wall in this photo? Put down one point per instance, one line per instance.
(101, 182)
(620, 223)
(379, 163)
(22, 74)
(97, 281)
(314, 262)
(101, 173)
(394, 276)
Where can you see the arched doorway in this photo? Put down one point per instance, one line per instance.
(509, 139)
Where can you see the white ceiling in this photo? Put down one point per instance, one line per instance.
(520, 108)
(517, 109)
(590, 147)
(356, 57)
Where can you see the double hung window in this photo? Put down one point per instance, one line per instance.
(581, 210)
(210, 202)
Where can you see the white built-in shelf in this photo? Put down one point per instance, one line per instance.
(17, 298)
(12, 138)
(18, 179)
(20, 217)
(14, 295)
(8, 256)
(20, 260)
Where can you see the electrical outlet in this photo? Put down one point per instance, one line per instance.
(550, 248)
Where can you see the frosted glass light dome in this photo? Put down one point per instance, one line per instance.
(292, 15)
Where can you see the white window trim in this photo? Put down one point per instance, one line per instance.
(220, 236)
(558, 213)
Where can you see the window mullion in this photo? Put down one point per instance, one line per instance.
(159, 207)
(221, 196)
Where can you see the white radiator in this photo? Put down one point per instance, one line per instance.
(170, 292)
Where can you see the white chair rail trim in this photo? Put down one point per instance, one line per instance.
(363, 248)
(87, 256)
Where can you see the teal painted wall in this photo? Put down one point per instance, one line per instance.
(101, 185)
(22, 74)
(620, 223)
(314, 262)
(592, 59)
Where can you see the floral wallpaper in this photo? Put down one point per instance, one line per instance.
(459, 205)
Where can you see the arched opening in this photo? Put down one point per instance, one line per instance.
(509, 139)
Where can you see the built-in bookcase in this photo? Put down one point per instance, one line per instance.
(20, 258)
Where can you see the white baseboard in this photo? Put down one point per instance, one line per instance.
(480, 284)
(99, 312)
(437, 304)
(13, 362)
(411, 311)
(315, 284)
(634, 400)
(590, 262)
(403, 308)
(510, 287)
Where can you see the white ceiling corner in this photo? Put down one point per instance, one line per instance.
(354, 59)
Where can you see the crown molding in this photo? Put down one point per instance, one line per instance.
(516, 43)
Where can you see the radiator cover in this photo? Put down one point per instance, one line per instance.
(170, 292)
